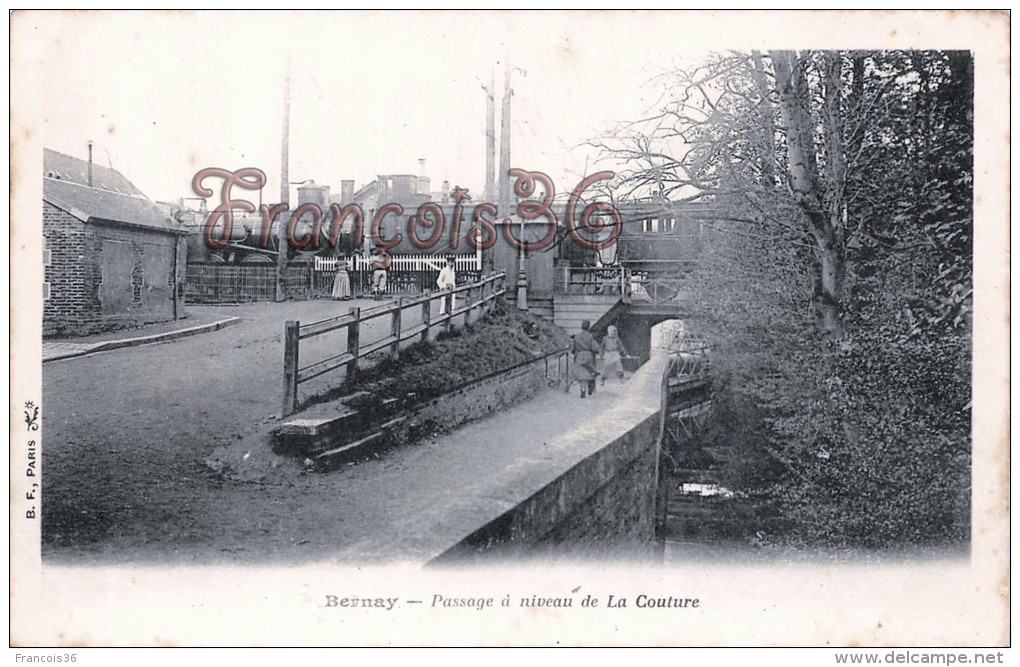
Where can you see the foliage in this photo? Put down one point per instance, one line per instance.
(869, 419)
(462, 355)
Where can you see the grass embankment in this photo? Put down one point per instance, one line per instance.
(504, 338)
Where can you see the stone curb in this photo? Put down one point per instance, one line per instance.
(145, 340)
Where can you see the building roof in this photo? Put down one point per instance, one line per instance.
(66, 168)
(112, 197)
(365, 191)
(93, 204)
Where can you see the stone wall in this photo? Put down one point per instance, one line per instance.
(602, 505)
(331, 435)
(479, 398)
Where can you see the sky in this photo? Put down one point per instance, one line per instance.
(164, 94)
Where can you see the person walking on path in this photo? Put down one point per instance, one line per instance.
(612, 354)
(585, 349)
(447, 281)
(342, 280)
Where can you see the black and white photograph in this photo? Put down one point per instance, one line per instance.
(496, 328)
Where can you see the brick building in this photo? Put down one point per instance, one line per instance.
(112, 258)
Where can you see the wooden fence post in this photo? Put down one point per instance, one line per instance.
(426, 315)
(290, 366)
(353, 340)
(448, 323)
(469, 295)
(395, 349)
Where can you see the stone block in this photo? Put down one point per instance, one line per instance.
(315, 430)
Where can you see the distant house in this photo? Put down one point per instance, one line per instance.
(112, 258)
(408, 191)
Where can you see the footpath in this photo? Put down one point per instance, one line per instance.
(425, 498)
(195, 323)
(155, 413)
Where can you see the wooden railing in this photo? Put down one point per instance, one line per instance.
(611, 280)
(657, 291)
(478, 300)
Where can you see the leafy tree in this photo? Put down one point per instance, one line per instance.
(836, 277)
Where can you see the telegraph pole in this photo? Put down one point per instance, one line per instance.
(486, 259)
(505, 200)
(281, 233)
(490, 136)
(504, 143)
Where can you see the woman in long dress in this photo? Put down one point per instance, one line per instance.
(612, 354)
(342, 280)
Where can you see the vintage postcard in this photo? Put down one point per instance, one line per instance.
(447, 328)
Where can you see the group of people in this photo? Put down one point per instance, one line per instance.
(342, 289)
(586, 349)
(380, 264)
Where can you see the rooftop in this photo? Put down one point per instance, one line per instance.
(111, 198)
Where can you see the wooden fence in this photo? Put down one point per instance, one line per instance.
(478, 300)
(398, 281)
(611, 280)
(219, 282)
(407, 274)
(230, 283)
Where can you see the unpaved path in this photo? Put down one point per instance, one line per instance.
(126, 434)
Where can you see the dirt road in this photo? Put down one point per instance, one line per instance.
(127, 434)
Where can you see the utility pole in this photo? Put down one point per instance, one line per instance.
(90, 163)
(281, 233)
(486, 259)
(490, 136)
(505, 199)
(504, 144)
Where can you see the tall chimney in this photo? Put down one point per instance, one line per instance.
(504, 146)
(490, 136)
(423, 183)
(90, 163)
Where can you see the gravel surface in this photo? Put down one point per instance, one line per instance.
(129, 437)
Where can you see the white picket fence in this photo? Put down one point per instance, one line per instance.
(406, 263)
